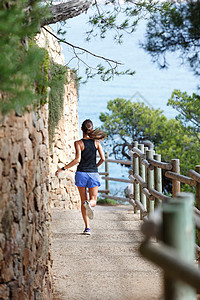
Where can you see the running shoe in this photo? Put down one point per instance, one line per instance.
(87, 231)
(89, 209)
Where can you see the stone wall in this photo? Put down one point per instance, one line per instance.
(24, 207)
(63, 190)
(27, 184)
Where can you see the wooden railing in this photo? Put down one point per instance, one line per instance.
(106, 192)
(146, 176)
(173, 227)
(171, 223)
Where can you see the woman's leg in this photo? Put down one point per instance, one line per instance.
(83, 195)
(93, 195)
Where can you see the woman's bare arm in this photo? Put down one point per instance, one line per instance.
(75, 161)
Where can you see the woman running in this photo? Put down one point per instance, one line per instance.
(87, 175)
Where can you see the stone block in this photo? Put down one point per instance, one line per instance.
(59, 144)
(55, 183)
(37, 197)
(43, 152)
(2, 131)
(27, 258)
(65, 195)
(62, 157)
(7, 271)
(30, 202)
(40, 124)
(16, 199)
(34, 118)
(39, 137)
(45, 137)
(13, 289)
(56, 203)
(28, 148)
(63, 183)
(6, 186)
(29, 176)
(4, 292)
(16, 132)
(5, 148)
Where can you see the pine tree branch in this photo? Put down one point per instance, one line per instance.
(108, 60)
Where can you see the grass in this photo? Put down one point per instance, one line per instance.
(106, 201)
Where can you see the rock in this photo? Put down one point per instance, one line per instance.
(4, 292)
(37, 197)
(28, 147)
(54, 183)
(43, 152)
(5, 147)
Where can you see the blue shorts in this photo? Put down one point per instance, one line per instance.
(85, 179)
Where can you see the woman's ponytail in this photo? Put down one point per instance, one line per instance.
(95, 134)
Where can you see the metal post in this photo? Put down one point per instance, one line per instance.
(107, 175)
(176, 186)
(136, 171)
(143, 175)
(157, 178)
(150, 181)
(197, 169)
(178, 232)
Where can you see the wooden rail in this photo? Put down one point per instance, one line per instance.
(175, 254)
(170, 222)
(146, 176)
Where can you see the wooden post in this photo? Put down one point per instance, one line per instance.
(136, 171)
(178, 232)
(150, 181)
(142, 174)
(157, 178)
(107, 175)
(176, 186)
(197, 169)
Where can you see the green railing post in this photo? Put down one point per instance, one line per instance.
(197, 169)
(143, 175)
(178, 232)
(136, 171)
(107, 175)
(176, 186)
(157, 178)
(150, 181)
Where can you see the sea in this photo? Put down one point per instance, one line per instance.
(149, 84)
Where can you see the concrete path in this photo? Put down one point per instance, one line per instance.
(105, 265)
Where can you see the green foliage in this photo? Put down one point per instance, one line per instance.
(128, 121)
(117, 19)
(189, 110)
(19, 64)
(56, 99)
(42, 82)
(106, 201)
(175, 26)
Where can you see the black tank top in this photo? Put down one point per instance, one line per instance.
(88, 157)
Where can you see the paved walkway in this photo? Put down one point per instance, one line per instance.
(105, 265)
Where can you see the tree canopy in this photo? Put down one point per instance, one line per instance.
(175, 26)
(128, 121)
(20, 61)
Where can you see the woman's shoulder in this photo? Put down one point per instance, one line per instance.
(78, 141)
(97, 143)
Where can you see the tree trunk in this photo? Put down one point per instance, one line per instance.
(67, 10)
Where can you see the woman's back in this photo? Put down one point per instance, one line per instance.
(88, 157)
